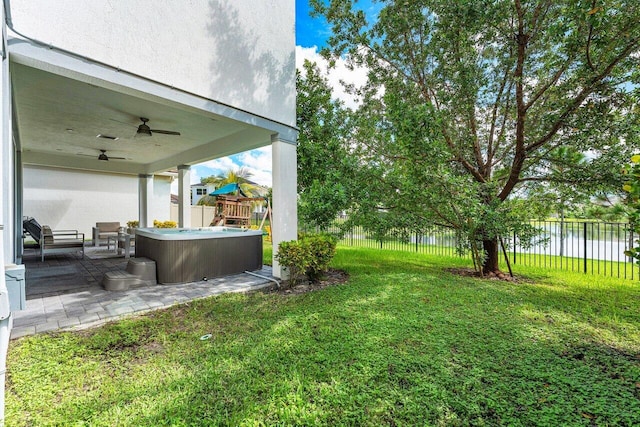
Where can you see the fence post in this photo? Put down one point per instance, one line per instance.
(584, 230)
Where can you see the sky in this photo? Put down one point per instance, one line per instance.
(311, 36)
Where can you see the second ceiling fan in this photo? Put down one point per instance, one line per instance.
(103, 156)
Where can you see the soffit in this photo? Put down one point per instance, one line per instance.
(58, 119)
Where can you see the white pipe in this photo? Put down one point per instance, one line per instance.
(264, 277)
(6, 321)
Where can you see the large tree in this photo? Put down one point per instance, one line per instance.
(467, 103)
(324, 168)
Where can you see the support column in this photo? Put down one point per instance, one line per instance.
(184, 196)
(284, 226)
(6, 173)
(145, 197)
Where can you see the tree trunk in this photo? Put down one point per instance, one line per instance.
(490, 265)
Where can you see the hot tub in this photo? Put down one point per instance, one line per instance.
(191, 254)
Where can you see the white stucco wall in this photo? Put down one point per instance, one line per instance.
(71, 199)
(238, 52)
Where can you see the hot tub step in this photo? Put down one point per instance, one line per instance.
(139, 272)
(143, 268)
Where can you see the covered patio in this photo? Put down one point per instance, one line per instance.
(68, 111)
(65, 292)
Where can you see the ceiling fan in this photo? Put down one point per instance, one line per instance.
(103, 156)
(145, 130)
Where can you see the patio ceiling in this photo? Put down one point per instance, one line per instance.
(59, 111)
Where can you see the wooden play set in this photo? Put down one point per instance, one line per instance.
(235, 211)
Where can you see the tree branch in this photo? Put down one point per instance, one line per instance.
(583, 94)
(589, 37)
(520, 153)
(550, 83)
(494, 117)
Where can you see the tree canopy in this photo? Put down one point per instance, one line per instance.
(324, 167)
(468, 102)
(239, 176)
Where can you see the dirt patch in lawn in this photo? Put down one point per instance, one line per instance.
(330, 278)
(470, 272)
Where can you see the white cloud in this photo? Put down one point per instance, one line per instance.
(218, 166)
(259, 161)
(206, 169)
(340, 72)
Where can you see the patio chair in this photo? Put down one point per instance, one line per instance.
(31, 227)
(49, 240)
(104, 230)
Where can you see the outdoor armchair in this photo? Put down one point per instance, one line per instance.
(104, 230)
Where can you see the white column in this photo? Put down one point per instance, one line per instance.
(6, 319)
(8, 163)
(284, 226)
(145, 197)
(184, 196)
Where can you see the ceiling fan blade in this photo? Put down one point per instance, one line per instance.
(166, 132)
(117, 158)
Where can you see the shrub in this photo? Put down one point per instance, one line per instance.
(165, 224)
(310, 256)
(322, 248)
(133, 223)
(294, 257)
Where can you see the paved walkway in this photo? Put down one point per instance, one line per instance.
(75, 299)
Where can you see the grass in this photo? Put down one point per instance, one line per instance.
(404, 342)
(612, 268)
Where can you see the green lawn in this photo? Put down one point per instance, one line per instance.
(404, 342)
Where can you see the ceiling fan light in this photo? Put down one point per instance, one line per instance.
(104, 157)
(112, 138)
(143, 132)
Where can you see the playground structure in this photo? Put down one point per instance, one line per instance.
(235, 210)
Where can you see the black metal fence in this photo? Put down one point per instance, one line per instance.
(590, 247)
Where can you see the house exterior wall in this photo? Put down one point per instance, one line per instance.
(195, 197)
(237, 52)
(72, 199)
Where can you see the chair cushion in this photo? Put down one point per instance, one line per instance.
(48, 234)
(108, 227)
(31, 226)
